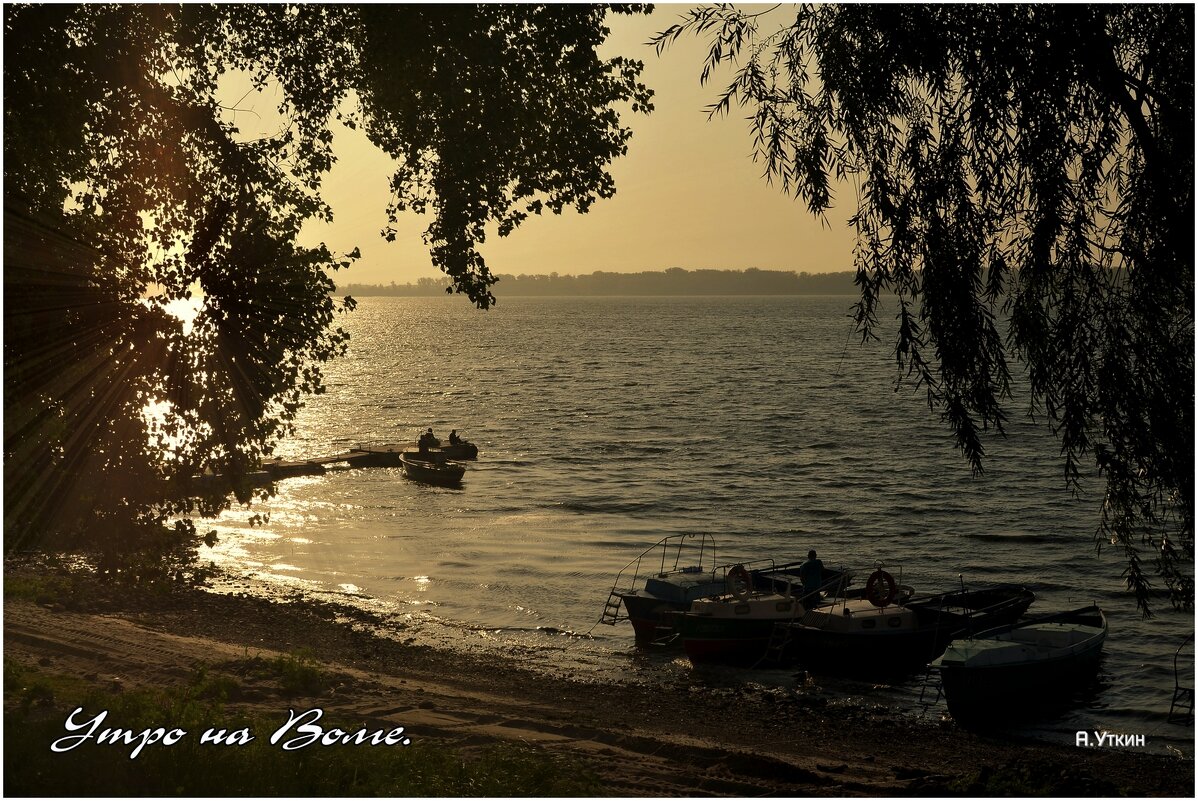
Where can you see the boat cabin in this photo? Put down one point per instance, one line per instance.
(859, 616)
(758, 605)
(684, 585)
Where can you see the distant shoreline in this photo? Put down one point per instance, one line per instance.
(356, 291)
(674, 282)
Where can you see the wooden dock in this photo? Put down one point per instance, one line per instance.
(362, 456)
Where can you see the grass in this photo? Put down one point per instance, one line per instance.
(38, 704)
(47, 588)
(297, 675)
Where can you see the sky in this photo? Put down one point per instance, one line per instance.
(688, 193)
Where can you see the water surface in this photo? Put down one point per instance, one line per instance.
(605, 424)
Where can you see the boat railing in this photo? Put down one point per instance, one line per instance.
(837, 589)
(754, 566)
(1068, 616)
(674, 546)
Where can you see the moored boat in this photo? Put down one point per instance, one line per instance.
(732, 630)
(1023, 667)
(431, 467)
(741, 628)
(678, 570)
(460, 450)
(866, 637)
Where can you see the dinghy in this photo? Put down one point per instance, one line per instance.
(1016, 669)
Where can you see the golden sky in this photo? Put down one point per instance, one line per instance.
(688, 193)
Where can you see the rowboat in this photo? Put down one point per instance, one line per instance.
(860, 636)
(669, 576)
(431, 467)
(1012, 670)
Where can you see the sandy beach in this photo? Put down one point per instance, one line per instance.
(639, 741)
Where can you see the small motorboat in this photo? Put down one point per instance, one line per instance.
(460, 450)
(669, 576)
(1018, 669)
(453, 450)
(876, 635)
(432, 467)
(731, 630)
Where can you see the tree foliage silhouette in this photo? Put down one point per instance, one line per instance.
(1027, 163)
(127, 183)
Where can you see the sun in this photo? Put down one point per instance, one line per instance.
(185, 309)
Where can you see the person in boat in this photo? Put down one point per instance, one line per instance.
(454, 439)
(433, 442)
(811, 573)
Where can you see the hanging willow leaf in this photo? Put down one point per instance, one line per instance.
(1031, 164)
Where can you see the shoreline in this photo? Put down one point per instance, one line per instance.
(638, 740)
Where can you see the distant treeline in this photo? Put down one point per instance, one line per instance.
(674, 281)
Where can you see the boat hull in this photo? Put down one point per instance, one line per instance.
(1024, 676)
(986, 695)
(732, 632)
(872, 654)
(748, 647)
(650, 616)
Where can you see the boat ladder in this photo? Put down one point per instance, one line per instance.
(775, 648)
(1181, 710)
(611, 610)
(779, 639)
(931, 681)
(780, 634)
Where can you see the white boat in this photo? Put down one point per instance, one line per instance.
(1019, 668)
